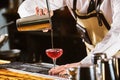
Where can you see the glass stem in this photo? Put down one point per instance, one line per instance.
(54, 62)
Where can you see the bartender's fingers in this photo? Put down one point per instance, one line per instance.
(51, 13)
(39, 11)
(45, 30)
(57, 70)
(63, 72)
(43, 11)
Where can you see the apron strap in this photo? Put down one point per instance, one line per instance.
(74, 8)
(93, 5)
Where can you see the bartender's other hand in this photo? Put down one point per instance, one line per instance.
(44, 11)
(41, 12)
(45, 30)
(62, 70)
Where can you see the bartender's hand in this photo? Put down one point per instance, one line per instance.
(62, 70)
(41, 12)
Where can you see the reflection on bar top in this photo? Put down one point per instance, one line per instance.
(4, 61)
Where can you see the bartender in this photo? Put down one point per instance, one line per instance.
(110, 44)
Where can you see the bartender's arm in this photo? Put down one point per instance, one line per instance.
(33, 7)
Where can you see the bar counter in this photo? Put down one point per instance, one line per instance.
(25, 71)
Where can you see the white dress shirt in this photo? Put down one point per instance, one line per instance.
(109, 45)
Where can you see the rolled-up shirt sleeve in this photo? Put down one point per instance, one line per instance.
(27, 8)
(111, 43)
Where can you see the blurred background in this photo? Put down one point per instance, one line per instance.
(34, 43)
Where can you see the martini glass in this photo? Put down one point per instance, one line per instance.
(54, 54)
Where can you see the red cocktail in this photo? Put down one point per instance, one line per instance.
(54, 54)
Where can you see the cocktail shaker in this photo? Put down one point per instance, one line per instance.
(83, 72)
(98, 56)
(116, 61)
(96, 60)
(108, 69)
(33, 23)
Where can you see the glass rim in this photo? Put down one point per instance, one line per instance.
(53, 48)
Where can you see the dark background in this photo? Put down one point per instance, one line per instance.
(34, 43)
